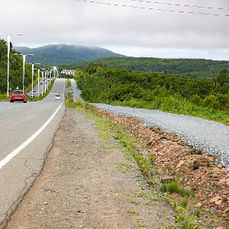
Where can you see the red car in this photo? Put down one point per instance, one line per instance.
(18, 95)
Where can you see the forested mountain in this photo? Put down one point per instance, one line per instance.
(63, 54)
(194, 68)
(77, 57)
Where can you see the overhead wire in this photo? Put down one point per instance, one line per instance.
(162, 9)
(181, 5)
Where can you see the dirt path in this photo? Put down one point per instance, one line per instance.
(87, 183)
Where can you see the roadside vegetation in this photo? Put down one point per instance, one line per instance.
(16, 70)
(16, 74)
(204, 98)
(188, 215)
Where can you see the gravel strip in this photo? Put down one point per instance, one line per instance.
(209, 136)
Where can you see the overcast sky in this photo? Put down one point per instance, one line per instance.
(160, 28)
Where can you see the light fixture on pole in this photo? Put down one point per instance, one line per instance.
(38, 73)
(45, 80)
(54, 71)
(23, 83)
(42, 73)
(8, 60)
(33, 76)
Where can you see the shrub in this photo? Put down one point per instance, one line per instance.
(210, 101)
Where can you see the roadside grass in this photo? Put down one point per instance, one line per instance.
(3, 96)
(182, 200)
(177, 105)
(178, 197)
(173, 187)
(133, 212)
(68, 83)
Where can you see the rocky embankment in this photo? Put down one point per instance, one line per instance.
(173, 157)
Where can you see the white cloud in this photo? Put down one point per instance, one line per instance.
(138, 30)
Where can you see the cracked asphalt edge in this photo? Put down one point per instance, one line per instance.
(33, 176)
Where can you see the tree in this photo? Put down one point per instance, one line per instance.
(15, 68)
(223, 77)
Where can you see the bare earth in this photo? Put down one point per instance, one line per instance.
(86, 182)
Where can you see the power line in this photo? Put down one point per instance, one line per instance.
(158, 9)
(181, 5)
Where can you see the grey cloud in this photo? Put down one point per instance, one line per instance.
(75, 22)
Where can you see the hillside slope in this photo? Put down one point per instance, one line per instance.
(63, 54)
(194, 68)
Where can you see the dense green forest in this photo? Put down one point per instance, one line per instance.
(16, 69)
(194, 68)
(168, 92)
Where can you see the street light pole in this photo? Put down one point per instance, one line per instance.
(8, 61)
(8, 64)
(32, 77)
(23, 80)
(42, 83)
(24, 56)
(38, 73)
(45, 80)
(54, 71)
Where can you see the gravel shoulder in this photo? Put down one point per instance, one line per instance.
(209, 136)
(88, 182)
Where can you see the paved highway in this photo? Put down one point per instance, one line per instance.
(26, 135)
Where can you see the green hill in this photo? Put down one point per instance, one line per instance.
(194, 68)
(63, 54)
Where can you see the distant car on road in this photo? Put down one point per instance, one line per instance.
(18, 95)
(57, 96)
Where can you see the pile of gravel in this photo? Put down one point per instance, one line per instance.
(209, 136)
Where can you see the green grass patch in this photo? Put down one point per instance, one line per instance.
(133, 212)
(4, 96)
(69, 85)
(173, 187)
(184, 202)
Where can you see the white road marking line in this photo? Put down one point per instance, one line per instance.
(29, 140)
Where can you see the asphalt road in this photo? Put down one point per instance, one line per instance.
(27, 131)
